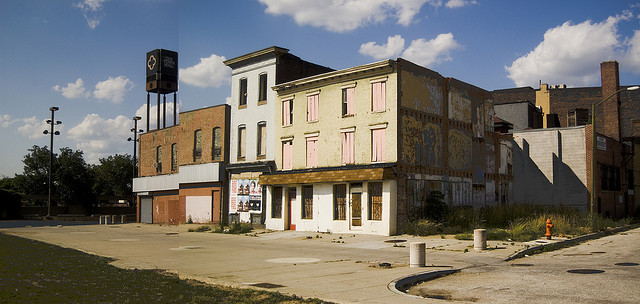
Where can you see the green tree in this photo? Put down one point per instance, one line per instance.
(113, 176)
(74, 179)
(35, 175)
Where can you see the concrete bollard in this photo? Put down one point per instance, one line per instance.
(123, 219)
(113, 219)
(479, 239)
(417, 254)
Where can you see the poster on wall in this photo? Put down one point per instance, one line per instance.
(246, 196)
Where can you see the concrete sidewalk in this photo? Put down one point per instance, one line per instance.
(343, 268)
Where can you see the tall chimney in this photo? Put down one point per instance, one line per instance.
(609, 124)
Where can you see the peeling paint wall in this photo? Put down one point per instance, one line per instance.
(422, 143)
(459, 150)
(459, 106)
(422, 92)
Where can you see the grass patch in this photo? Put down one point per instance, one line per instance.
(36, 272)
(200, 229)
(235, 228)
(512, 222)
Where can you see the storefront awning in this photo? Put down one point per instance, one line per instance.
(330, 175)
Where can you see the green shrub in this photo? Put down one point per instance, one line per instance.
(200, 229)
(423, 227)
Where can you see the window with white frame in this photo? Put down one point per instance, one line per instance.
(262, 87)
(307, 202)
(242, 101)
(262, 138)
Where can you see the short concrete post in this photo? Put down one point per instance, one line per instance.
(113, 219)
(417, 254)
(479, 239)
(123, 219)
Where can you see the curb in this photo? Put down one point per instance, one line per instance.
(397, 284)
(570, 242)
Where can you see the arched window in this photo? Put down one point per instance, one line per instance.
(197, 145)
(216, 147)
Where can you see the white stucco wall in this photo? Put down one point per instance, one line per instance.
(253, 113)
(323, 221)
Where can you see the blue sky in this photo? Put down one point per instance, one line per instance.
(86, 56)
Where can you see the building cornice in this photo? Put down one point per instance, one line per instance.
(276, 51)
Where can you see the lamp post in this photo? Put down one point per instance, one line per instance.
(593, 141)
(53, 123)
(135, 150)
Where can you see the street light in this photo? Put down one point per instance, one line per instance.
(134, 139)
(593, 140)
(53, 123)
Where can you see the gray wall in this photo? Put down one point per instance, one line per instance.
(550, 167)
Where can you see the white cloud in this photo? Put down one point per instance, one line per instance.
(6, 120)
(347, 15)
(73, 90)
(153, 112)
(631, 60)
(570, 54)
(394, 46)
(210, 72)
(92, 11)
(113, 89)
(434, 51)
(459, 3)
(33, 128)
(98, 137)
(420, 51)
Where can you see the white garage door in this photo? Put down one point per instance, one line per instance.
(199, 209)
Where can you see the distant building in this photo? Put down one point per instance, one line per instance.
(616, 156)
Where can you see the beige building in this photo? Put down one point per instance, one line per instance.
(358, 150)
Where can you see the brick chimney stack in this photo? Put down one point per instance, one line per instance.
(609, 121)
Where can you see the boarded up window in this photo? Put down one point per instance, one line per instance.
(242, 137)
(348, 147)
(287, 156)
(287, 112)
(348, 95)
(307, 202)
(312, 152)
(174, 157)
(262, 138)
(339, 202)
(375, 201)
(243, 92)
(158, 159)
(197, 146)
(276, 203)
(312, 107)
(378, 145)
(378, 95)
(262, 88)
(216, 153)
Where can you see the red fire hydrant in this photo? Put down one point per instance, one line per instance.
(549, 226)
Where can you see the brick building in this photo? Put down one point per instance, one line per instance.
(358, 150)
(564, 107)
(181, 169)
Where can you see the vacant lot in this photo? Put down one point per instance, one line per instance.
(35, 272)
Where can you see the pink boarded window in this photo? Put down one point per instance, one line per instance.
(348, 147)
(377, 145)
(287, 112)
(287, 155)
(312, 152)
(312, 107)
(378, 94)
